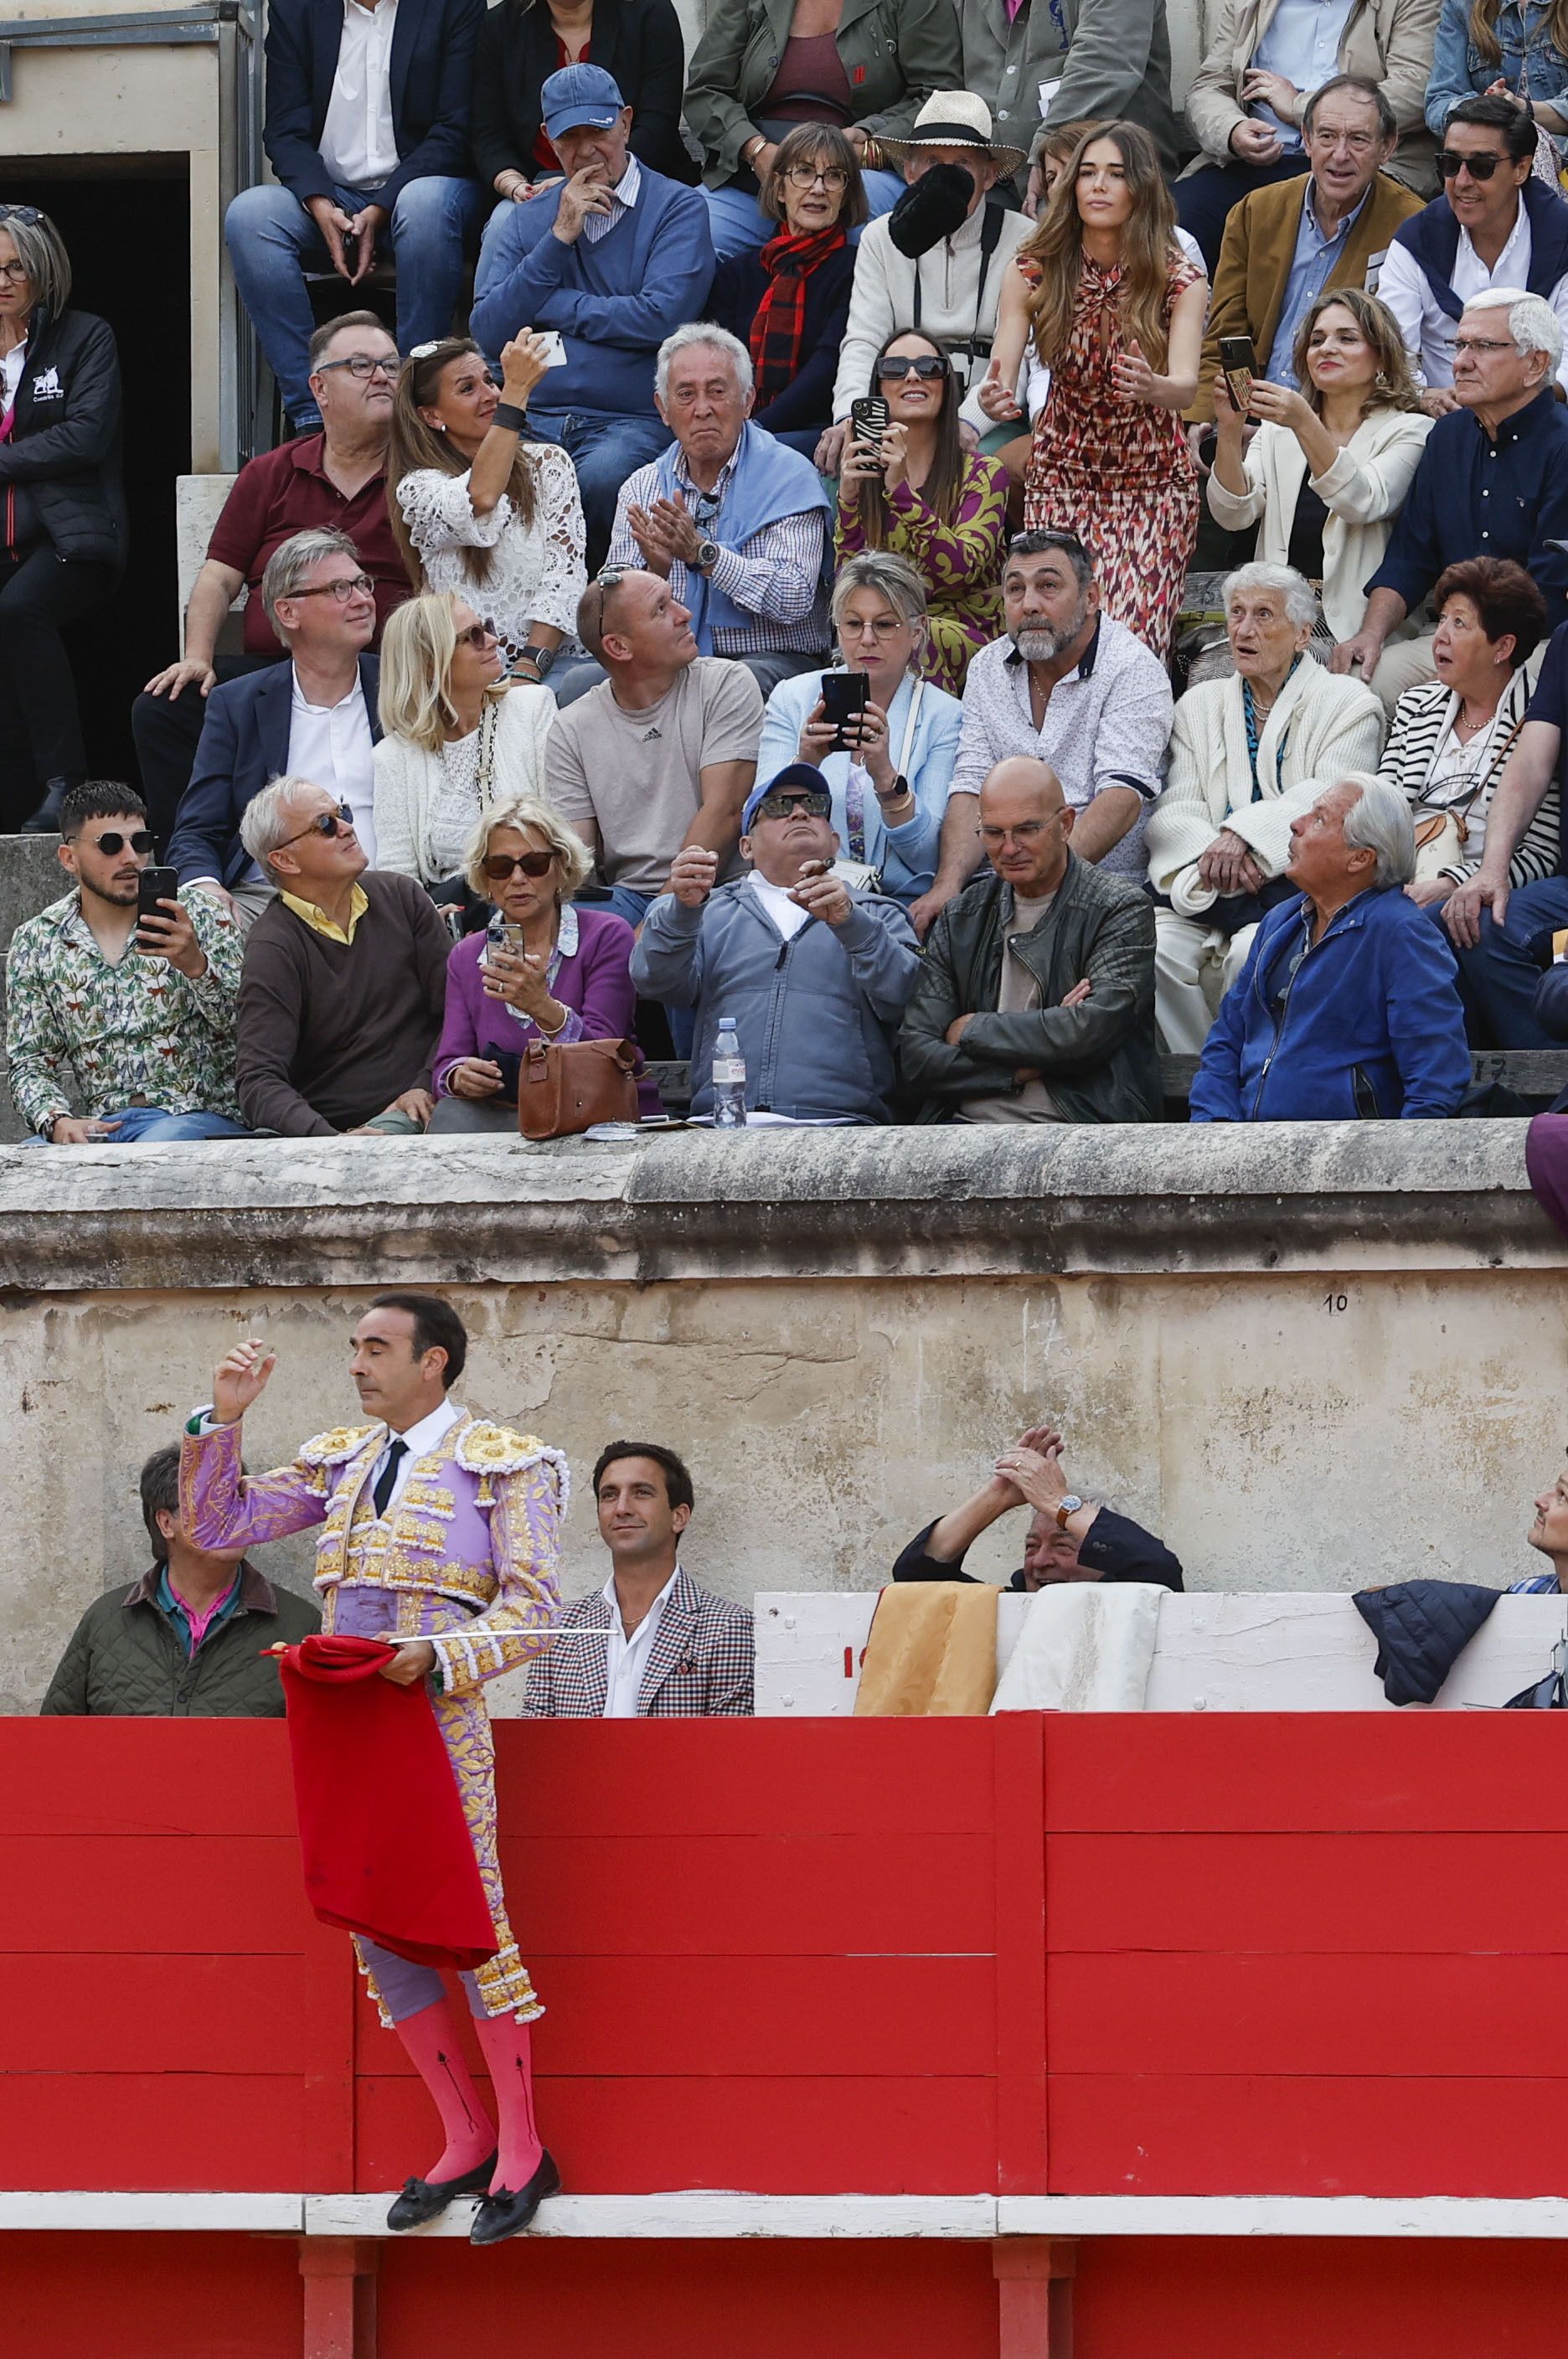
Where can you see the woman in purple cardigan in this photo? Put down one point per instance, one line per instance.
(541, 969)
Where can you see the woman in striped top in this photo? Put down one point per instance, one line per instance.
(1451, 736)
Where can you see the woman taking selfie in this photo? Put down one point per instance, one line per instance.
(458, 736)
(1111, 305)
(479, 509)
(543, 969)
(789, 303)
(913, 489)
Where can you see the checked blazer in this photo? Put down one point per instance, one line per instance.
(700, 1664)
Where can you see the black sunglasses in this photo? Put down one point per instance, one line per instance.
(499, 866)
(815, 804)
(114, 841)
(1480, 167)
(325, 822)
(902, 364)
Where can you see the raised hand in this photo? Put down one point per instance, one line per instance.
(239, 1378)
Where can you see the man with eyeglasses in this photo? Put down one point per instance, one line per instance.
(1331, 226)
(1494, 225)
(816, 972)
(315, 715)
(1492, 481)
(119, 1029)
(335, 479)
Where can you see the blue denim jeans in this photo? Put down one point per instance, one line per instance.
(1501, 974)
(147, 1125)
(634, 907)
(738, 224)
(273, 241)
(605, 447)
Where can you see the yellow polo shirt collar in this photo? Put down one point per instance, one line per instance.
(319, 923)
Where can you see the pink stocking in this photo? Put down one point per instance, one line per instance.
(507, 2053)
(430, 2039)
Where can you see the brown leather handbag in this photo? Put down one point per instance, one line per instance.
(564, 1090)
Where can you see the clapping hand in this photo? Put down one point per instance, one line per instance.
(1041, 1444)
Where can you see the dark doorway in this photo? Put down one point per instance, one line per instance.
(128, 233)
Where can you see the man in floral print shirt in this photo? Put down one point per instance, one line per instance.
(105, 1039)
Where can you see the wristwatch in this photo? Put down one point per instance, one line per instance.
(541, 658)
(707, 556)
(1065, 1507)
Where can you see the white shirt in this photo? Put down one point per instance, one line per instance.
(331, 744)
(420, 1439)
(11, 369)
(626, 1660)
(1427, 329)
(1301, 44)
(623, 196)
(777, 908)
(359, 146)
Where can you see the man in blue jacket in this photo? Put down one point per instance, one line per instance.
(1348, 1005)
(366, 128)
(613, 259)
(815, 973)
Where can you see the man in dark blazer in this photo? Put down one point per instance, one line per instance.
(650, 1645)
(366, 128)
(314, 716)
(1069, 1537)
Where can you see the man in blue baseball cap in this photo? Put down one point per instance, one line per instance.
(613, 258)
(816, 972)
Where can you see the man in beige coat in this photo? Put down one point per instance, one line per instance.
(1264, 60)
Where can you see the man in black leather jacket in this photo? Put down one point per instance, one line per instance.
(1069, 1539)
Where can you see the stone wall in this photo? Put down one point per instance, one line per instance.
(1311, 1356)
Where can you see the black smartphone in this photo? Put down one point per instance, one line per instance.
(869, 418)
(511, 1063)
(1238, 366)
(350, 251)
(153, 885)
(845, 695)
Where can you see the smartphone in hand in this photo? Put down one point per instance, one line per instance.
(845, 695)
(153, 885)
(1238, 366)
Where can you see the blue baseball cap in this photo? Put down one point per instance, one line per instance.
(578, 95)
(794, 774)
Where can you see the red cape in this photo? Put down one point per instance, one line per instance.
(387, 1849)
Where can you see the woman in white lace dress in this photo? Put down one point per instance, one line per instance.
(458, 738)
(479, 509)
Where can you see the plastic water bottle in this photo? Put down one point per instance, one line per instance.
(729, 1078)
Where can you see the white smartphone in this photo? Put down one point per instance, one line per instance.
(555, 356)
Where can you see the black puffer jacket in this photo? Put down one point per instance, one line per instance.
(125, 1660)
(60, 470)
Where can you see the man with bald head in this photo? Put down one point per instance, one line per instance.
(1036, 996)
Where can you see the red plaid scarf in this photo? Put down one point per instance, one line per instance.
(781, 320)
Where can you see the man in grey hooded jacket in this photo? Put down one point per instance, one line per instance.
(816, 972)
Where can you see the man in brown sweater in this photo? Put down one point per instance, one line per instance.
(344, 978)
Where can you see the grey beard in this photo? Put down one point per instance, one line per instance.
(1041, 644)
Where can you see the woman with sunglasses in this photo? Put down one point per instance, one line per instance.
(543, 969)
(1114, 309)
(62, 508)
(477, 508)
(790, 302)
(458, 737)
(914, 490)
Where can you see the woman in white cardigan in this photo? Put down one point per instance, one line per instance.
(457, 737)
(1248, 755)
(1327, 471)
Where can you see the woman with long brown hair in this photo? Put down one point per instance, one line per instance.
(478, 508)
(1114, 309)
(914, 490)
(1501, 48)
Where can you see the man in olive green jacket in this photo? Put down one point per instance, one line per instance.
(1110, 60)
(186, 1639)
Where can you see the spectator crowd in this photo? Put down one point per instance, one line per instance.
(750, 589)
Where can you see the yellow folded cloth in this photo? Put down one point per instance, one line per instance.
(931, 1652)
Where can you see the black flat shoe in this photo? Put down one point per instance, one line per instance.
(45, 821)
(507, 2214)
(426, 2199)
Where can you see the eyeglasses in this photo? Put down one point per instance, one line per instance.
(361, 366)
(992, 837)
(352, 585)
(326, 823)
(500, 865)
(1484, 344)
(815, 805)
(1480, 167)
(1359, 143)
(478, 636)
(806, 176)
(881, 630)
(13, 273)
(895, 365)
(114, 841)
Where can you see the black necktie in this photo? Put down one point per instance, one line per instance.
(388, 1475)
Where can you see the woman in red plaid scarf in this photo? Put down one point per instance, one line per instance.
(789, 303)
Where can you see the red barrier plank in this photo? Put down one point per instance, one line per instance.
(765, 2136)
(205, 1893)
(1308, 1893)
(1019, 1856)
(147, 2013)
(1423, 2017)
(182, 2297)
(144, 1776)
(154, 2130)
(1158, 1772)
(725, 1896)
(645, 1777)
(1157, 2136)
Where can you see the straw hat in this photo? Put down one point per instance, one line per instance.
(955, 118)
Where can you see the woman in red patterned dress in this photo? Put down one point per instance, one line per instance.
(1115, 311)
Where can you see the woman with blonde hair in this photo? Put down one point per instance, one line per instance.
(478, 508)
(1327, 471)
(543, 969)
(459, 737)
(1111, 305)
